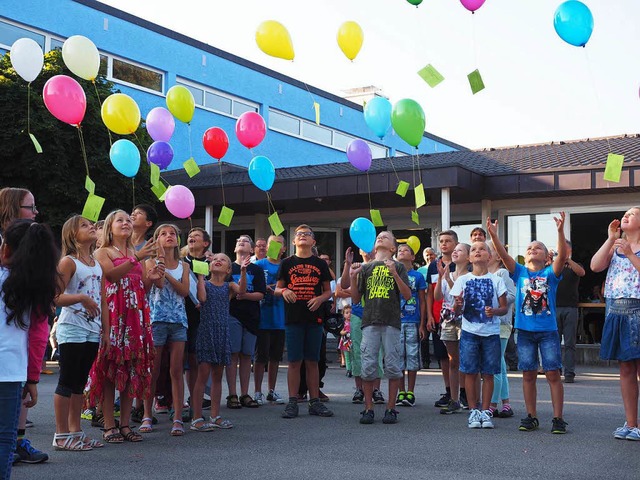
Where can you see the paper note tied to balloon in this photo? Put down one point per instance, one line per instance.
(273, 250)
(89, 186)
(226, 214)
(191, 167)
(276, 224)
(200, 268)
(376, 218)
(92, 207)
(316, 107)
(475, 80)
(430, 75)
(415, 218)
(403, 188)
(418, 192)
(36, 143)
(159, 190)
(613, 170)
(154, 174)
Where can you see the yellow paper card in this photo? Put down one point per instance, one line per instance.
(316, 107)
(276, 224)
(376, 218)
(226, 214)
(154, 174)
(89, 186)
(36, 143)
(415, 218)
(403, 188)
(274, 249)
(200, 268)
(191, 167)
(159, 190)
(92, 207)
(613, 170)
(418, 192)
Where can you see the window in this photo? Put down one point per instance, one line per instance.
(316, 133)
(217, 101)
(284, 123)
(524, 229)
(136, 75)
(401, 154)
(9, 33)
(341, 141)
(198, 94)
(377, 151)
(55, 43)
(239, 108)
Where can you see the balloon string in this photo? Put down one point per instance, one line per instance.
(224, 202)
(100, 103)
(84, 150)
(133, 192)
(190, 224)
(595, 93)
(190, 147)
(369, 190)
(29, 108)
(418, 162)
(271, 202)
(313, 100)
(473, 41)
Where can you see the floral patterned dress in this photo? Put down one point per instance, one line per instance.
(129, 362)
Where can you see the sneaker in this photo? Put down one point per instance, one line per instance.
(569, 379)
(622, 432)
(318, 408)
(390, 416)
(349, 374)
(634, 434)
(528, 424)
(400, 398)
(452, 407)
(291, 410)
(443, 402)
(87, 414)
(485, 419)
(28, 454)
(505, 412)
(474, 419)
(358, 396)
(16, 458)
(259, 398)
(322, 396)
(366, 417)
(206, 404)
(274, 397)
(28, 424)
(378, 397)
(410, 400)
(160, 407)
(558, 425)
(464, 403)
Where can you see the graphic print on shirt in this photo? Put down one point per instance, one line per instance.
(408, 307)
(303, 279)
(380, 283)
(236, 278)
(478, 294)
(536, 300)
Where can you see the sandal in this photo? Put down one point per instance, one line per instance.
(204, 426)
(247, 401)
(233, 402)
(72, 443)
(130, 436)
(114, 437)
(97, 420)
(218, 422)
(88, 441)
(147, 425)
(177, 431)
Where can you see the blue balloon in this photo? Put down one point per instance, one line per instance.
(573, 22)
(377, 115)
(125, 157)
(363, 234)
(262, 172)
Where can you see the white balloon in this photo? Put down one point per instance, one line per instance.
(81, 56)
(27, 58)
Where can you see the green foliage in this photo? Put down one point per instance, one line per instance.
(57, 176)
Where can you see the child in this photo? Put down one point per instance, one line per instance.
(620, 335)
(82, 321)
(413, 326)
(379, 284)
(213, 346)
(345, 344)
(536, 285)
(168, 321)
(481, 297)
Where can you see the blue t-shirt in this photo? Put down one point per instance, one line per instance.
(535, 304)
(272, 307)
(410, 309)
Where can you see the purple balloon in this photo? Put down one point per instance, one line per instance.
(359, 154)
(160, 153)
(160, 124)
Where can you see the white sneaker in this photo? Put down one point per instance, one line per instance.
(474, 419)
(275, 397)
(485, 419)
(259, 398)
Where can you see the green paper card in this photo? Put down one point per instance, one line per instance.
(403, 188)
(475, 80)
(430, 75)
(155, 174)
(376, 218)
(613, 170)
(35, 143)
(418, 192)
(92, 207)
(89, 186)
(159, 190)
(200, 268)
(191, 167)
(162, 197)
(226, 214)
(274, 249)
(415, 218)
(276, 224)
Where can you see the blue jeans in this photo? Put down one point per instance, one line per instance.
(479, 354)
(10, 408)
(549, 345)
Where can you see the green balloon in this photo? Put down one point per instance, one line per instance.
(415, 2)
(408, 121)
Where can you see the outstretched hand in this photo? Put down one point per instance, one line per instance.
(348, 256)
(614, 229)
(355, 269)
(492, 227)
(560, 221)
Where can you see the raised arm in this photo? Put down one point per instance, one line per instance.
(602, 257)
(354, 271)
(110, 271)
(492, 230)
(202, 291)
(563, 250)
(345, 280)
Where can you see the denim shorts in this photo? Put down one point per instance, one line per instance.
(374, 339)
(242, 340)
(621, 331)
(410, 346)
(479, 354)
(304, 341)
(548, 343)
(165, 332)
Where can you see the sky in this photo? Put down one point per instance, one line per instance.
(538, 88)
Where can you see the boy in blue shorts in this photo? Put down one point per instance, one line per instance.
(535, 305)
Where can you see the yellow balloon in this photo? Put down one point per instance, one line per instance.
(81, 56)
(414, 244)
(120, 113)
(273, 39)
(350, 38)
(180, 103)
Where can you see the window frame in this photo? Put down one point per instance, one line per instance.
(206, 89)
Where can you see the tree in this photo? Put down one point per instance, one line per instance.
(57, 176)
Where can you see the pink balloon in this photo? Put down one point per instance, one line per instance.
(65, 99)
(250, 129)
(160, 124)
(179, 201)
(472, 5)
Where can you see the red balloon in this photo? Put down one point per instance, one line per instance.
(215, 142)
(250, 129)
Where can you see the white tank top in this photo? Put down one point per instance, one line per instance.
(87, 280)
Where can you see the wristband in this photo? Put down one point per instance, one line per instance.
(32, 382)
(136, 256)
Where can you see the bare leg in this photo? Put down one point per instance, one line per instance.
(453, 350)
(470, 386)
(216, 389)
(176, 363)
(293, 378)
(411, 380)
(557, 391)
(629, 390)
(394, 385)
(192, 373)
(232, 369)
(444, 365)
(313, 378)
(273, 373)
(125, 408)
(487, 390)
(529, 390)
(107, 406)
(204, 370)
(148, 402)
(61, 408)
(75, 410)
(245, 373)
(258, 375)
(367, 387)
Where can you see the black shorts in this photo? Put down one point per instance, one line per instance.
(192, 333)
(439, 348)
(269, 346)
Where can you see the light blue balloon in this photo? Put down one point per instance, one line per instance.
(125, 157)
(377, 115)
(573, 22)
(262, 172)
(363, 234)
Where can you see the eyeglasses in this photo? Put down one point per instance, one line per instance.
(30, 207)
(304, 234)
